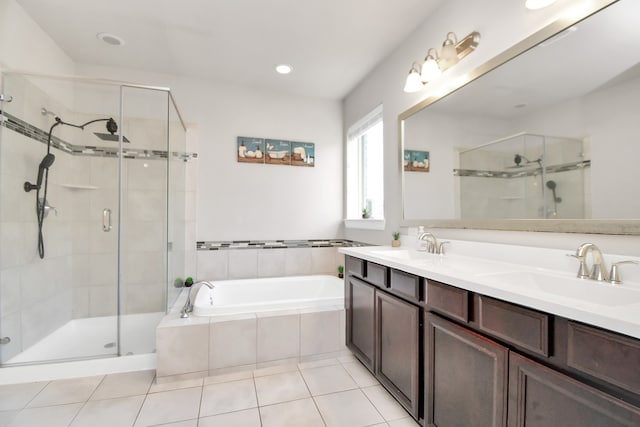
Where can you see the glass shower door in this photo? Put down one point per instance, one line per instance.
(144, 227)
(59, 232)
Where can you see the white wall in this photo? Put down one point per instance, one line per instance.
(25, 46)
(241, 201)
(502, 24)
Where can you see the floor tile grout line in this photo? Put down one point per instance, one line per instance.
(312, 398)
(255, 391)
(200, 405)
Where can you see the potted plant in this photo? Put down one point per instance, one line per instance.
(366, 213)
(396, 239)
(340, 271)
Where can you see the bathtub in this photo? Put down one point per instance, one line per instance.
(253, 323)
(262, 295)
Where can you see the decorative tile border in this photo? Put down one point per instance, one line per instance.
(565, 167)
(20, 126)
(275, 244)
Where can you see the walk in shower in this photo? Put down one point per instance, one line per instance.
(92, 221)
(525, 176)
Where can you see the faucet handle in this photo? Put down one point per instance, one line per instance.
(614, 275)
(583, 270)
(440, 249)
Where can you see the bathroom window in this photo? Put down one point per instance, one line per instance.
(365, 178)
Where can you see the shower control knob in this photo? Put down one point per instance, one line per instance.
(29, 186)
(5, 340)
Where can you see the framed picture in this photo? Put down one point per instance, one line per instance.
(416, 161)
(303, 154)
(278, 152)
(250, 150)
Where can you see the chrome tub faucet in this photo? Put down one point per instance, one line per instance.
(188, 306)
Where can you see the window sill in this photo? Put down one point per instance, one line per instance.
(365, 224)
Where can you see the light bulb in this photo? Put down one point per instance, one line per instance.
(449, 53)
(413, 83)
(430, 69)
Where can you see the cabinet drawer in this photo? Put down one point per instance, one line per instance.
(448, 300)
(517, 325)
(377, 274)
(604, 355)
(355, 266)
(405, 284)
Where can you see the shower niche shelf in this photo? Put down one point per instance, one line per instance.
(79, 187)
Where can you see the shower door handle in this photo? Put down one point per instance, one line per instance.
(106, 220)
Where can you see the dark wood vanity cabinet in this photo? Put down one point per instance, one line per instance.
(465, 377)
(384, 332)
(541, 397)
(398, 352)
(456, 358)
(360, 319)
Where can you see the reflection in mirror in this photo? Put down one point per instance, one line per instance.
(551, 134)
(523, 176)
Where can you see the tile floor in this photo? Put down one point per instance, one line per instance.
(331, 392)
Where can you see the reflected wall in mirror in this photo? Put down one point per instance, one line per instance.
(551, 134)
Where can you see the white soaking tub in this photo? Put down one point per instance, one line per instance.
(268, 294)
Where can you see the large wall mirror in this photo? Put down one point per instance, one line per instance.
(547, 141)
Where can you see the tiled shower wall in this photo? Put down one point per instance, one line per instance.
(78, 276)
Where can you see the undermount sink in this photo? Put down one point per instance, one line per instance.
(589, 291)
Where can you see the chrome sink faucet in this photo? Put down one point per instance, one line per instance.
(433, 246)
(188, 306)
(598, 268)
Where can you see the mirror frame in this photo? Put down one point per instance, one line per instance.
(588, 226)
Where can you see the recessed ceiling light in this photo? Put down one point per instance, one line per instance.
(538, 4)
(284, 68)
(110, 39)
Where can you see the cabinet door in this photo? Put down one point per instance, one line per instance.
(539, 396)
(466, 377)
(360, 304)
(398, 358)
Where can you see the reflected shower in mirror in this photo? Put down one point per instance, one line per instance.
(549, 134)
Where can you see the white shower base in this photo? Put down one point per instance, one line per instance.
(58, 355)
(94, 337)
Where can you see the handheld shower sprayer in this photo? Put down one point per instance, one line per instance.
(45, 164)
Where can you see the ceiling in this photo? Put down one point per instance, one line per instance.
(331, 44)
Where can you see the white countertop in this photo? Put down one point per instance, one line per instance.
(506, 272)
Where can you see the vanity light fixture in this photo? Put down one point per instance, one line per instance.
(538, 4)
(435, 64)
(449, 54)
(414, 81)
(430, 68)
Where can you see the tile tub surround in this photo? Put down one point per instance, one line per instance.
(222, 260)
(283, 396)
(201, 346)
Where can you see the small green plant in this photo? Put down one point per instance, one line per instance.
(340, 269)
(366, 213)
(396, 235)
